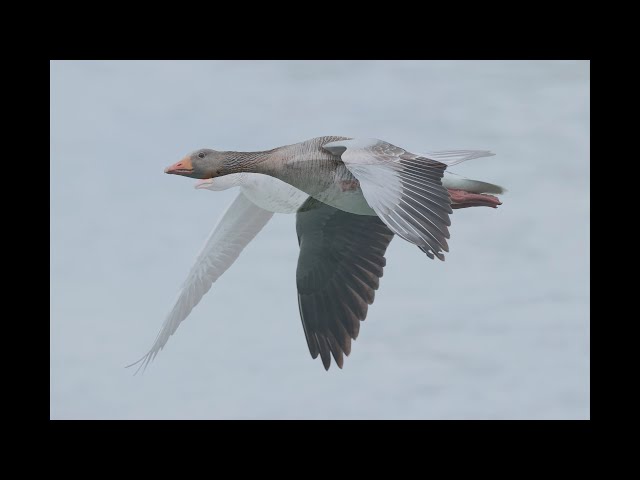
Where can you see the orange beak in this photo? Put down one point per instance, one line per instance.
(183, 167)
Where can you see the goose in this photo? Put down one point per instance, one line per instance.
(350, 198)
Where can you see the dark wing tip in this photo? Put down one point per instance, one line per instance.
(326, 362)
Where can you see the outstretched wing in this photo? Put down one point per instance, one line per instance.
(339, 268)
(404, 189)
(238, 226)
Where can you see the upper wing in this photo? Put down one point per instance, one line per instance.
(238, 226)
(339, 267)
(404, 189)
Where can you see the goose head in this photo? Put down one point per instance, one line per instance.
(203, 163)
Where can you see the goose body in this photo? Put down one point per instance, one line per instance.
(350, 196)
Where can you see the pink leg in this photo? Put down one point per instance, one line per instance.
(464, 199)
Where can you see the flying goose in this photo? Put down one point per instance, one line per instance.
(350, 198)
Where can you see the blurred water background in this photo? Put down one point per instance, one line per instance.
(499, 330)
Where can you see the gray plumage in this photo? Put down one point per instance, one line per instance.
(361, 192)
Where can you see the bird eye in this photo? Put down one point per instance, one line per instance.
(201, 155)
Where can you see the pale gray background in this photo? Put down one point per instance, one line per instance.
(499, 330)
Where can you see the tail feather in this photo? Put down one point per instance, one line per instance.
(471, 186)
